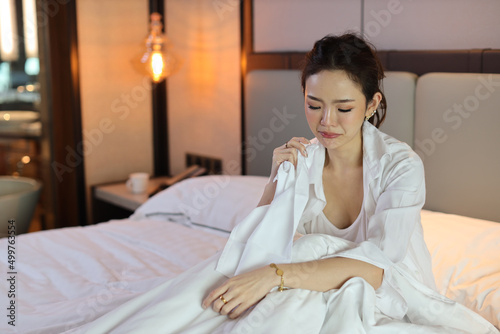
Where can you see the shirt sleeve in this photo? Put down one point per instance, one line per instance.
(398, 208)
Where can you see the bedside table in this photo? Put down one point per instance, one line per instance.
(115, 201)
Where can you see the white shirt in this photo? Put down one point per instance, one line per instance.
(392, 239)
(390, 231)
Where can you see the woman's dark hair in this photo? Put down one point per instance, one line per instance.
(357, 58)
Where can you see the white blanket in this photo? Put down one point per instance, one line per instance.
(68, 277)
(175, 306)
(116, 276)
(71, 276)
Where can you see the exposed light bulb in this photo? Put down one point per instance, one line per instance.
(157, 65)
(157, 60)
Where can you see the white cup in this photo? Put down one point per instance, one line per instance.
(137, 183)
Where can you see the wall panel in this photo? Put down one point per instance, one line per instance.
(294, 25)
(115, 100)
(204, 97)
(432, 25)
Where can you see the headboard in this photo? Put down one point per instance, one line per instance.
(457, 136)
(450, 119)
(462, 160)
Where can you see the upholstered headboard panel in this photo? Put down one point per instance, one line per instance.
(399, 91)
(459, 148)
(274, 111)
(457, 135)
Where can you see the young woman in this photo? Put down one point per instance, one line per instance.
(352, 195)
(364, 171)
(372, 189)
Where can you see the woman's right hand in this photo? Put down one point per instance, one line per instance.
(288, 152)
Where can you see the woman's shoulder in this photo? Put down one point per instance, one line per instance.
(393, 162)
(387, 151)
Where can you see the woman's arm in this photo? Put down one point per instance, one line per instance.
(331, 273)
(242, 291)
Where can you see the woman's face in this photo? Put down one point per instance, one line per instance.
(335, 109)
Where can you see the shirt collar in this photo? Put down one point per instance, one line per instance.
(374, 150)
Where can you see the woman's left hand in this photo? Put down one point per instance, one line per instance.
(240, 292)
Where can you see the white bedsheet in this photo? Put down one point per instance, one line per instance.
(175, 306)
(72, 276)
(466, 260)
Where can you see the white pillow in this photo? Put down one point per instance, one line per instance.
(218, 202)
(465, 260)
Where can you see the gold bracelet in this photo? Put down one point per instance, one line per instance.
(279, 272)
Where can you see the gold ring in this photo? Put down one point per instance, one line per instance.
(221, 297)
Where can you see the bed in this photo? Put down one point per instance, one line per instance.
(63, 279)
(68, 277)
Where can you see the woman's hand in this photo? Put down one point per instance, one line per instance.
(240, 292)
(288, 152)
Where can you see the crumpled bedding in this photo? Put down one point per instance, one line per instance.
(403, 303)
(70, 276)
(121, 260)
(175, 306)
